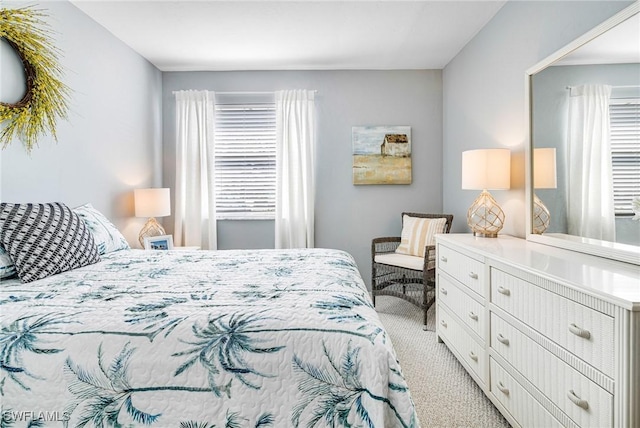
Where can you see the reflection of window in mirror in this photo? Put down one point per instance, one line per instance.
(590, 209)
(625, 151)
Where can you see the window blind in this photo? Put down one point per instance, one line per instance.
(245, 161)
(625, 152)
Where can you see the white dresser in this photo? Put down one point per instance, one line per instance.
(551, 336)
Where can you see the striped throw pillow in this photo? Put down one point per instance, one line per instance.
(45, 239)
(419, 232)
(7, 268)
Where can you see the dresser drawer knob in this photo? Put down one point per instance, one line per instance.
(473, 356)
(585, 334)
(443, 291)
(442, 323)
(503, 339)
(473, 316)
(504, 291)
(583, 404)
(443, 259)
(473, 275)
(503, 388)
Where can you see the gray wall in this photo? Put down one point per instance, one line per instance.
(347, 216)
(484, 92)
(550, 117)
(111, 142)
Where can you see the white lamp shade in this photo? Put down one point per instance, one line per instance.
(544, 168)
(152, 202)
(486, 169)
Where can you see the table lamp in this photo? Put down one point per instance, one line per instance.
(151, 203)
(544, 177)
(481, 170)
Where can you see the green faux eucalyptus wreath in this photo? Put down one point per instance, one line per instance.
(46, 97)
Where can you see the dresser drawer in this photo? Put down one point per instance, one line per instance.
(468, 349)
(584, 332)
(470, 311)
(518, 402)
(468, 271)
(582, 400)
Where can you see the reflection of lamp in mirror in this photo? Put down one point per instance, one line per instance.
(482, 170)
(544, 177)
(151, 203)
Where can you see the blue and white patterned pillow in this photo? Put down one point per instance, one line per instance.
(7, 268)
(45, 239)
(107, 237)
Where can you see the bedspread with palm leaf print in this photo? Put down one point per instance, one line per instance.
(202, 339)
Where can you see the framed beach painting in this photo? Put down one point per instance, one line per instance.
(161, 242)
(381, 154)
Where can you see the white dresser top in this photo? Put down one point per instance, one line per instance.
(613, 281)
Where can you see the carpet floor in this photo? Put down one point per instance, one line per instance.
(443, 392)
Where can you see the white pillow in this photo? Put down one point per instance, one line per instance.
(108, 238)
(419, 232)
(7, 268)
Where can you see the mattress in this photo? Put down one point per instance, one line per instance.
(246, 338)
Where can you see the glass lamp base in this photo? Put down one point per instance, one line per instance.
(485, 217)
(150, 228)
(541, 216)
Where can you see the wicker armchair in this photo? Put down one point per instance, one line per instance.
(414, 281)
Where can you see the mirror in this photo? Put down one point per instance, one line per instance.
(583, 154)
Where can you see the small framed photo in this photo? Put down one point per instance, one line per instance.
(162, 242)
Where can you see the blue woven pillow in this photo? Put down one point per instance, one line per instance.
(45, 239)
(7, 268)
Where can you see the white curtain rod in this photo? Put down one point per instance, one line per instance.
(244, 93)
(613, 87)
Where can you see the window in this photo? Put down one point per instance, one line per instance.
(625, 152)
(245, 165)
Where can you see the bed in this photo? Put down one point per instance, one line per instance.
(239, 338)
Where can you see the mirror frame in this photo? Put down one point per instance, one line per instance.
(606, 249)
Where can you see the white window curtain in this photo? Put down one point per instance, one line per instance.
(295, 176)
(195, 212)
(590, 184)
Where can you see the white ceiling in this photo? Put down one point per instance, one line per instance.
(293, 35)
